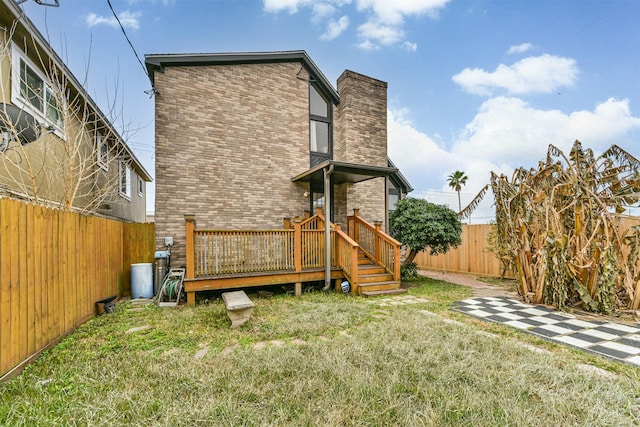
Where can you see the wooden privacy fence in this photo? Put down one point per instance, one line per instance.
(474, 257)
(54, 266)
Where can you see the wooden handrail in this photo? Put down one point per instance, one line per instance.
(347, 258)
(384, 249)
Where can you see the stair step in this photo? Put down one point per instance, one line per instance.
(379, 277)
(368, 294)
(370, 269)
(362, 261)
(378, 286)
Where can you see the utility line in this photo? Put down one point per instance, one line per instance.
(129, 41)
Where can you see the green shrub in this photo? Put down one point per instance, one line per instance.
(409, 272)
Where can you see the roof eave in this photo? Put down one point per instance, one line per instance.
(157, 62)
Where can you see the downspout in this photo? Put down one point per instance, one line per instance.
(327, 228)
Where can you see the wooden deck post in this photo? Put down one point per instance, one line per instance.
(297, 244)
(297, 252)
(190, 227)
(354, 270)
(376, 251)
(356, 231)
(287, 223)
(336, 247)
(396, 263)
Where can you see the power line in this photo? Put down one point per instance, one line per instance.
(144, 69)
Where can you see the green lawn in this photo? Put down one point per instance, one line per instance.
(320, 360)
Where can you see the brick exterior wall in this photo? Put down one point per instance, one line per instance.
(228, 141)
(360, 136)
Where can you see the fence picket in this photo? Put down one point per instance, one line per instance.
(54, 266)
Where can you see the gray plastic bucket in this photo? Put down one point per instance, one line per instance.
(142, 280)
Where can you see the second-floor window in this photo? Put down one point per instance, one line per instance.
(32, 91)
(320, 131)
(125, 179)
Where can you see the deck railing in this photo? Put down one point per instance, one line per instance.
(241, 251)
(224, 252)
(347, 257)
(378, 245)
(300, 247)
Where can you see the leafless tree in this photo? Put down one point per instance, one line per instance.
(56, 148)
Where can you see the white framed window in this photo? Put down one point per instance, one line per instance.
(125, 179)
(102, 152)
(140, 187)
(31, 91)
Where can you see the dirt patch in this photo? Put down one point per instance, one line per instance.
(480, 288)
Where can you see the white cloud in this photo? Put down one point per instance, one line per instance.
(544, 74)
(278, 5)
(385, 24)
(520, 48)
(510, 130)
(164, 2)
(410, 46)
(380, 34)
(335, 28)
(393, 12)
(418, 156)
(506, 133)
(127, 18)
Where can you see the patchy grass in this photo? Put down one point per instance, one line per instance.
(322, 359)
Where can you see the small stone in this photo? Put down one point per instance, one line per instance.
(427, 313)
(202, 353)
(229, 350)
(453, 322)
(277, 343)
(259, 345)
(138, 329)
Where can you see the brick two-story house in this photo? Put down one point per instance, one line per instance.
(242, 140)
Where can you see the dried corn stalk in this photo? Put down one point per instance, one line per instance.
(558, 229)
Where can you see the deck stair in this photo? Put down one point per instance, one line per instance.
(374, 279)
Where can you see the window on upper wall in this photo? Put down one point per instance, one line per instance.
(32, 92)
(102, 152)
(320, 126)
(140, 187)
(125, 179)
(319, 134)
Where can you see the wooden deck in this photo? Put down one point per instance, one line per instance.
(246, 280)
(228, 259)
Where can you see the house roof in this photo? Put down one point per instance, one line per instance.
(399, 179)
(24, 22)
(157, 62)
(343, 172)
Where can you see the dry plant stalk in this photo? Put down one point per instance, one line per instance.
(559, 228)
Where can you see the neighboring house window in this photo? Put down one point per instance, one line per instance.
(319, 127)
(103, 152)
(393, 197)
(125, 179)
(31, 91)
(140, 187)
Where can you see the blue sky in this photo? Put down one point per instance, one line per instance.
(476, 85)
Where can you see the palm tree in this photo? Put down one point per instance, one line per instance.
(456, 180)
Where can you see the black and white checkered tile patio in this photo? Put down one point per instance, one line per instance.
(614, 340)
